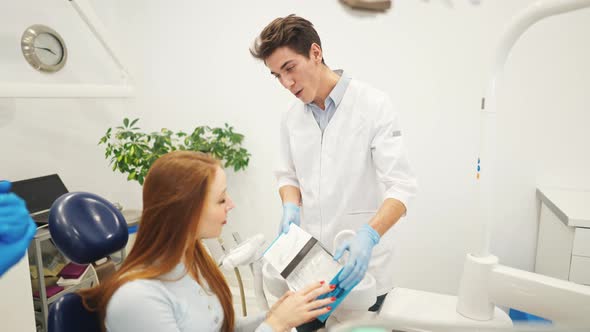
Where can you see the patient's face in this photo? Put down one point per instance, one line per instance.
(215, 207)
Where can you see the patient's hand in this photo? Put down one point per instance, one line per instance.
(278, 303)
(296, 308)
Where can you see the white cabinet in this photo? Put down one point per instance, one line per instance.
(563, 244)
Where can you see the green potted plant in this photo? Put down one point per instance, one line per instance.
(132, 151)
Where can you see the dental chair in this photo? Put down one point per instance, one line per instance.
(86, 228)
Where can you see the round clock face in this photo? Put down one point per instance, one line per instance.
(48, 49)
(43, 48)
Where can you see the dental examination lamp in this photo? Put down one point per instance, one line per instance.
(248, 253)
(484, 282)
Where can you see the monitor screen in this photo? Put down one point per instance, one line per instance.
(41, 192)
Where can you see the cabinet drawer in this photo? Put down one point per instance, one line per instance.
(580, 270)
(581, 242)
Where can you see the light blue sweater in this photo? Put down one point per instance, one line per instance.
(173, 303)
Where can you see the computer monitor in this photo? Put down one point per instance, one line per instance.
(40, 193)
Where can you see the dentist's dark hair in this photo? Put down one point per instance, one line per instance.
(291, 31)
(174, 193)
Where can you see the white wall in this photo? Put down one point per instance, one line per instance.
(191, 64)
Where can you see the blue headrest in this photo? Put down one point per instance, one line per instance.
(86, 227)
(68, 314)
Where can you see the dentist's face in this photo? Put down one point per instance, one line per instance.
(297, 73)
(215, 208)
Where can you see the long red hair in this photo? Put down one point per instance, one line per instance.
(174, 192)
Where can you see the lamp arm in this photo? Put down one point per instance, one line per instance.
(87, 14)
(561, 301)
(475, 299)
(519, 24)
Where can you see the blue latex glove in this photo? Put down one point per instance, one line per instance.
(360, 249)
(16, 228)
(290, 215)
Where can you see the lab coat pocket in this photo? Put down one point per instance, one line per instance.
(354, 219)
(353, 213)
(382, 251)
(351, 221)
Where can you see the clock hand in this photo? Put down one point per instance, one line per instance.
(46, 49)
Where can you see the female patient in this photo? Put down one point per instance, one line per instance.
(168, 281)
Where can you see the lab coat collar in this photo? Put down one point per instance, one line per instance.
(337, 92)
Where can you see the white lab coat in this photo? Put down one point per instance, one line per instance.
(345, 174)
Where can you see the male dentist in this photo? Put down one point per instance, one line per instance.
(343, 164)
